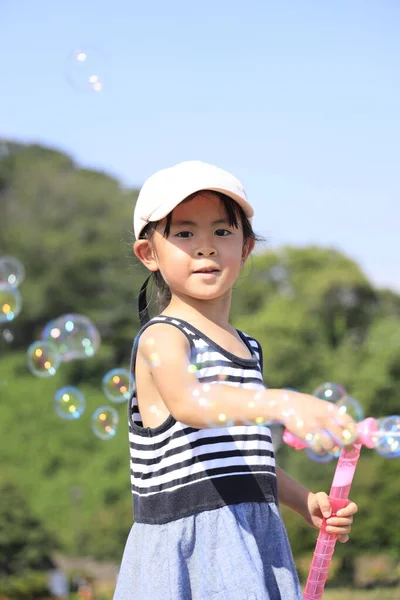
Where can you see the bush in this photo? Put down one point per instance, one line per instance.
(27, 586)
(379, 569)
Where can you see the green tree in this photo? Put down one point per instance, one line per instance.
(25, 543)
(70, 227)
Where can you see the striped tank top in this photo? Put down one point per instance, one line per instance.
(176, 470)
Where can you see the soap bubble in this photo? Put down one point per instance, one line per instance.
(43, 359)
(10, 303)
(332, 392)
(69, 403)
(105, 422)
(7, 336)
(116, 385)
(351, 407)
(85, 70)
(388, 437)
(74, 335)
(323, 457)
(12, 271)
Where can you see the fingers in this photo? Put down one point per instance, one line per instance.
(348, 510)
(340, 426)
(341, 532)
(322, 442)
(341, 523)
(340, 526)
(323, 504)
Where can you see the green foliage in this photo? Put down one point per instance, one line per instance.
(313, 309)
(25, 544)
(30, 585)
(83, 479)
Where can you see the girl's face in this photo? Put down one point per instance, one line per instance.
(202, 256)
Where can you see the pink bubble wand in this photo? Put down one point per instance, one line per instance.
(338, 498)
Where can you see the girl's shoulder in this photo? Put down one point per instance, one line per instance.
(181, 333)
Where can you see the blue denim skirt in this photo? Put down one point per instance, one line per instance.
(237, 552)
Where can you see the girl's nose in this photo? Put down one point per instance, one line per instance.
(205, 251)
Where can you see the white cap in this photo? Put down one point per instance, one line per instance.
(167, 188)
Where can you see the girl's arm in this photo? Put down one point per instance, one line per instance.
(166, 351)
(292, 494)
(314, 507)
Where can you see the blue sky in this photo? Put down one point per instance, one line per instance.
(298, 98)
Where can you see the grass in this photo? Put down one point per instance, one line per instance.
(337, 594)
(352, 594)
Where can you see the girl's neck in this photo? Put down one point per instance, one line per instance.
(198, 312)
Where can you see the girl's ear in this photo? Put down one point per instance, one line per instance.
(248, 247)
(145, 253)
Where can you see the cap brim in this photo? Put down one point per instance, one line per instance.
(166, 208)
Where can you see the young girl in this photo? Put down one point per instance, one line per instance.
(204, 480)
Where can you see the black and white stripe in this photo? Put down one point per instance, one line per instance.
(177, 470)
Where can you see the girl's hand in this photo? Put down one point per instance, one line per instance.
(319, 507)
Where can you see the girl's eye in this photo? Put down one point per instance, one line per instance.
(184, 234)
(222, 232)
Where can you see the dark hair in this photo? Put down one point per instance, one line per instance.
(235, 214)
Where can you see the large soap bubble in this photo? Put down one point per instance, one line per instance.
(332, 392)
(74, 335)
(351, 407)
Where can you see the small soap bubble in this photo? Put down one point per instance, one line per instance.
(86, 70)
(12, 271)
(388, 437)
(69, 403)
(115, 385)
(74, 335)
(351, 407)
(323, 457)
(105, 422)
(332, 392)
(316, 441)
(43, 359)
(7, 336)
(10, 303)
